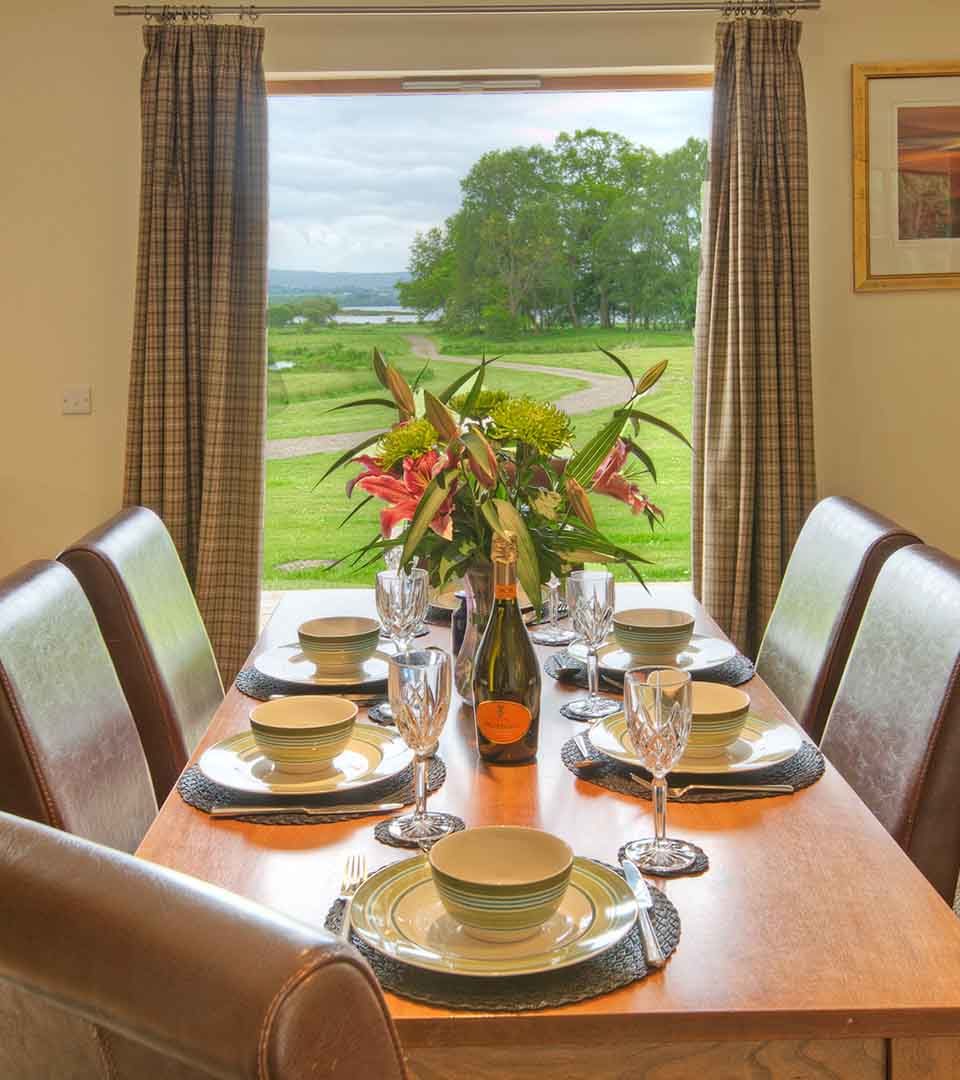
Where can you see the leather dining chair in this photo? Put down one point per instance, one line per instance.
(894, 729)
(69, 752)
(113, 967)
(834, 563)
(134, 580)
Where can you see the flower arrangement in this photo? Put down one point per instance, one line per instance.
(462, 465)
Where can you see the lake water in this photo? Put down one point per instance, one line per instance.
(396, 315)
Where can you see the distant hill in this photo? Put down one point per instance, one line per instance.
(349, 290)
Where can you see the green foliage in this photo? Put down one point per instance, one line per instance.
(592, 230)
(316, 310)
(484, 402)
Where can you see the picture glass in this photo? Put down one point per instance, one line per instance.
(928, 167)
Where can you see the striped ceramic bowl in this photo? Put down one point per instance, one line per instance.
(502, 882)
(303, 734)
(653, 633)
(339, 644)
(719, 714)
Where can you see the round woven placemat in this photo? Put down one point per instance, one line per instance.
(201, 792)
(455, 824)
(568, 669)
(803, 769)
(375, 716)
(255, 684)
(699, 866)
(619, 966)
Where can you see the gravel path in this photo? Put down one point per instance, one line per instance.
(603, 392)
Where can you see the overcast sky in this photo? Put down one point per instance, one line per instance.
(352, 179)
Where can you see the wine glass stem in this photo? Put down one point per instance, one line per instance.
(659, 810)
(554, 607)
(593, 673)
(402, 644)
(420, 787)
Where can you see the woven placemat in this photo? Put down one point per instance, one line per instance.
(201, 792)
(255, 684)
(453, 823)
(699, 866)
(803, 769)
(375, 715)
(619, 966)
(573, 672)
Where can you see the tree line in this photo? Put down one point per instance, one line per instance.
(310, 311)
(591, 230)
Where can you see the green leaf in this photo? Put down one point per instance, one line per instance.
(651, 377)
(489, 511)
(528, 565)
(481, 453)
(360, 505)
(649, 418)
(430, 502)
(620, 364)
(474, 391)
(385, 402)
(447, 394)
(588, 458)
(644, 457)
(420, 375)
(345, 457)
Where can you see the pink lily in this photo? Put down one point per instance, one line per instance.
(609, 480)
(404, 492)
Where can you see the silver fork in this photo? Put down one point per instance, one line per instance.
(679, 792)
(354, 873)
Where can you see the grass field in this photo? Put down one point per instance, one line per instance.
(303, 522)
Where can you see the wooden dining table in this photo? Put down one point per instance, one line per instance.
(812, 947)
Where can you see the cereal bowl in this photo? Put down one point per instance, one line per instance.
(502, 882)
(339, 644)
(653, 633)
(303, 734)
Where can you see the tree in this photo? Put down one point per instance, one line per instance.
(279, 315)
(318, 310)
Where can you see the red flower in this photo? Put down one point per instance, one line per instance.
(404, 492)
(609, 480)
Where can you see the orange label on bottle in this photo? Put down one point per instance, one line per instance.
(505, 592)
(503, 721)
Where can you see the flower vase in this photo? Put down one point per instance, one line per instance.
(478, 585)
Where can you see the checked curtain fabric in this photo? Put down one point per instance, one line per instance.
(198, 369)
(753, 471)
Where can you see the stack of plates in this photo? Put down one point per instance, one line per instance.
(719, 713)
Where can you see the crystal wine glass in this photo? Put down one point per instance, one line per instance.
(590, 598)
(401, 604)
(553, 634)
(657, 704)
(419, 685)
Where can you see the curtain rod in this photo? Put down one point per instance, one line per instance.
(204, 12)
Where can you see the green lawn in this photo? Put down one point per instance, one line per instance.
(332, 366)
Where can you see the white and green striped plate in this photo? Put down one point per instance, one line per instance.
(373, 755)
(289, 664)
(762, 743)
(701, 654)
(398, 913)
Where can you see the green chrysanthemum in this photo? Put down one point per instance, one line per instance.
(407, 440)
(486, 401)
(536, 423)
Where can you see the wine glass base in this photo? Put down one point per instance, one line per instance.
(649, 857)
(591, 708)
(553, 637)
(385, 712)
(425, 830)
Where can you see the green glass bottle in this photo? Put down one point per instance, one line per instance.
(506, 674)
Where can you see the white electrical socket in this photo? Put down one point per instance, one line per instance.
(76, 400)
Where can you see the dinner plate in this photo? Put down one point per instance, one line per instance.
(702, 654)
(762, 743)
(289, 664)
(373, 755)
(398, 913)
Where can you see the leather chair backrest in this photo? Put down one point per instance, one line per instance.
(894, 729)
(133, 578)
(69, 751)
(113, 967)
(834, 564)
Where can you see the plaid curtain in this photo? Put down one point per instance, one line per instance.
(753, 474)
(198, 372)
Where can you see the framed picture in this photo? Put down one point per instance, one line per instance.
(906, 176)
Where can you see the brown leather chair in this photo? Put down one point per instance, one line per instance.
(69, 752)
(113, 967)
(834, 564)
(894, 729)
(133, 578)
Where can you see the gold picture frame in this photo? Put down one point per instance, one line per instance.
(906, 176)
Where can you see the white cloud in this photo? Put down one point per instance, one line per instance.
(352, 179)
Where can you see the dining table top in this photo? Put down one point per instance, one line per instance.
(810, 922)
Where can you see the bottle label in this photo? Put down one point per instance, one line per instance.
(503, 721)
(505, 592)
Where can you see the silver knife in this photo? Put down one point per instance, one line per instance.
(312, 811)
(640, 890)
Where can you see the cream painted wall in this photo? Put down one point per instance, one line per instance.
(885, 369)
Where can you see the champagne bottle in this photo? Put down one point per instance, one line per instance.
(506, 675)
